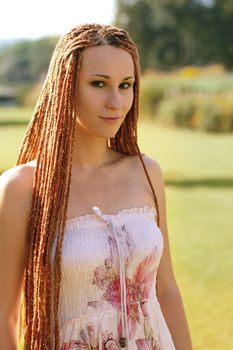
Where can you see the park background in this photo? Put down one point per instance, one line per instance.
(186, 123)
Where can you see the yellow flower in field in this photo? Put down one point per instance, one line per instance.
(190, 71)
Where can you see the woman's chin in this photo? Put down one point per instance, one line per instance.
(107, 134)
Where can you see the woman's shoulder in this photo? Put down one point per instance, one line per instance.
(133, 161)
(16, 185)
(152, 165)
(19, 177)
(156, 174)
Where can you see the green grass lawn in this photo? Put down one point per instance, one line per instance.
(198, 171)
(16, 115)
(10, 143)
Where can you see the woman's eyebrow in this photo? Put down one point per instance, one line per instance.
(108, 77)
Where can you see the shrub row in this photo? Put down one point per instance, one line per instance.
(204, 102)
(214, 114)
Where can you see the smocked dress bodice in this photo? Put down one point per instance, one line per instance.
(108, 286)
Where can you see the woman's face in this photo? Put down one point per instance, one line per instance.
(104, 90)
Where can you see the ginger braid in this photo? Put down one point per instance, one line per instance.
(49, 140)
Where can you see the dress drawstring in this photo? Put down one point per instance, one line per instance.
(118, 231)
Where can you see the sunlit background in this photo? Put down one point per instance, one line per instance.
(186, 123)
(35, 19)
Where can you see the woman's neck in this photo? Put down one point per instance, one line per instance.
(91, 153)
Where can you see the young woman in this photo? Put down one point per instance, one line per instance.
(83, 228)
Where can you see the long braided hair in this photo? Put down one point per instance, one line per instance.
(49, 140)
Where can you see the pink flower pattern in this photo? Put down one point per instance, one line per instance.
(144, 344)
(89, 340)
(106, 277)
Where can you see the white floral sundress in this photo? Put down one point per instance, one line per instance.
(108, 287)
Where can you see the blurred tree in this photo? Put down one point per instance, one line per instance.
(224, 29)
(172, 33)
(26, 61)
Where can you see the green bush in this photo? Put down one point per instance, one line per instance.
(21, 91)
(151, 93)
(31, 96)
(216, 114)
(206, 112)
(201, 102)
(177, 111)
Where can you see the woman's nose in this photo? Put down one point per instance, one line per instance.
(114, 100)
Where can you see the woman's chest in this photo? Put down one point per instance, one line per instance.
(131, 235)
(110, 192)
(95, 250)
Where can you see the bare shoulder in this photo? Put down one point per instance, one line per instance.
(156, 175)
(18, 178)
(153, 168)
(152, 165)
(16, 185)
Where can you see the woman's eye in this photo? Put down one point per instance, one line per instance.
(125, 86)
(97, 83)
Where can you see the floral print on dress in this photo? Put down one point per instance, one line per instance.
(144, 344)
(89, 340)
(107, 278)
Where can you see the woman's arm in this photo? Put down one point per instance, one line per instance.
(167, 290)
(8, 336)
(14, 210)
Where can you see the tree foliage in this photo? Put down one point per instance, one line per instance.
(26, 61)
(172, 33)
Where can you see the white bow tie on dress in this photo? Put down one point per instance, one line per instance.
(118, 231)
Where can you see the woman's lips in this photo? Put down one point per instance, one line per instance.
(110, 120)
